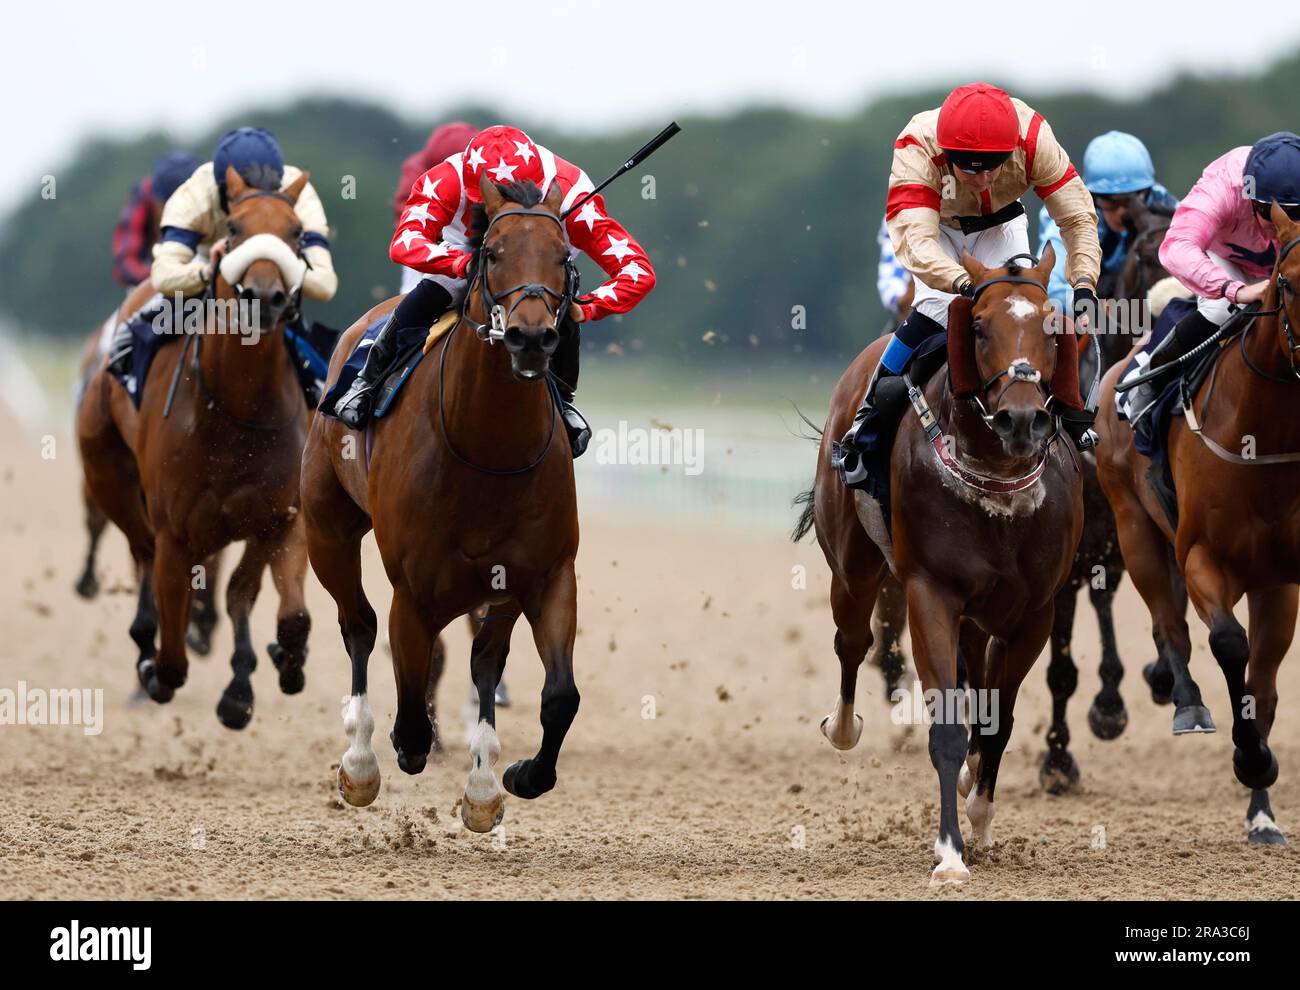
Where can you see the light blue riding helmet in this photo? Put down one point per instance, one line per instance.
(1116, 163)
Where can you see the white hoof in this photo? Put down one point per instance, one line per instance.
(358, 776)
(843, 727)
(949, 868)
(484, 802)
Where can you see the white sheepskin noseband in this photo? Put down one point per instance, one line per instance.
(264, 247)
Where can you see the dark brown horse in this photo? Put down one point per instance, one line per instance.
(469, 488)
(204, 617)
(985, 522)
(1237, 478)
(221, 466)
(1098, 564)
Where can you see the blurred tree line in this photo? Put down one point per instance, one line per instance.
(754, 214)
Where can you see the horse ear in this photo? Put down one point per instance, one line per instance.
(554, 198)
(973, 268)
(1046, 263)
(1282, 222)
(294, 189)
(492, 198)
(235, 184)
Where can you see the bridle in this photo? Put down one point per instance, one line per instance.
(1021, 369)
(1282, 284)
(498, 315)
(495, 329)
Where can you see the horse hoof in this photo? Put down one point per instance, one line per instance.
(843, 740)
(1192, 718)
(292, 678)
(1255, 779)
(483, 805)
(87, 585)
(156, 689)
(1263, 831)
(198, 640)
(1107, 725)
(519, 780)
(360, 786)
(235, 709)
(1160, 681)
(1058, 774)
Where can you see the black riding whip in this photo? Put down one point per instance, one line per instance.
(649, 149)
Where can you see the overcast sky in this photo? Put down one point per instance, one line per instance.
(122, 68)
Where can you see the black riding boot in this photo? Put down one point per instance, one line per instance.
(564, 372)
(1190, 332)
(419, 308)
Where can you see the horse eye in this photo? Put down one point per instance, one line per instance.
(234, 229)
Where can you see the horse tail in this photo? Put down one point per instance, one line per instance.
(806, 498)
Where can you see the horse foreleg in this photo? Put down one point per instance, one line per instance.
(553, 614)
(1272, 626)
(1059, 773)
(292, 623)
(483, 805)
(1008, 663)
(203, 613)
(172, 587)
(932, 618)
(1107, 717)
(235, 709)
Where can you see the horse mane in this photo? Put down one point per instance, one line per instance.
(526, 194)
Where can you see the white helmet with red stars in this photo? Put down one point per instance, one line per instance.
(505, 154)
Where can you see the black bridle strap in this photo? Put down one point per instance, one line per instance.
(529, 290)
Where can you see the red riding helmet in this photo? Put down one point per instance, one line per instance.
(978, 117)
(506, 154)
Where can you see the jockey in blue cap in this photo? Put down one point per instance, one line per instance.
(194, 224)
(1115, 166)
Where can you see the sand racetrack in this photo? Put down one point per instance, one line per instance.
(709, 799)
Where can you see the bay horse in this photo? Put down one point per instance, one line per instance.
(468, 485)
(1237, 530)
(93, 353)
(982, 537)
(221, 465)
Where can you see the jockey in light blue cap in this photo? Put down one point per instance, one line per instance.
(1115, 166)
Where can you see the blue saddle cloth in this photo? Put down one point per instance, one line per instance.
(1151, 431)
(410, 345)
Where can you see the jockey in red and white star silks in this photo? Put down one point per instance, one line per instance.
(432, 237)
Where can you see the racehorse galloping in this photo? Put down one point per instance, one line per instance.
(1098, 564)
(204, 618)
(1238, 523)
(983, 536)
(220, 466)
(469, 488)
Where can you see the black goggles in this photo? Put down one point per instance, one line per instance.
(1264, 210)
(975, 162)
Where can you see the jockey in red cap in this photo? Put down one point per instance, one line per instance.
(954, 187)
(432, 237)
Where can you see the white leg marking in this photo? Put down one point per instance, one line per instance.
(843, 727)
(1261, 824)
(966, 775)
(484, 802)
(359, 769)
(949, 868)
(979, 809)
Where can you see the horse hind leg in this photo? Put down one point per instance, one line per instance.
(289, 573)
(888, 619)
(1158, 674)
(1272, 626)
(1059, 773)
(412, 640)
(203, 612)
(235, 709)
(1107, 717)
(87, 585)
(553, 614)
(483, 803)
(852, 605)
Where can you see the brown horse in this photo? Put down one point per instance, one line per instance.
(204, 617)
(983, 535)
(1237, 533)
(220, 466)
(469, 488)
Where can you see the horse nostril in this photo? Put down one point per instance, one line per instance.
(550, 340)
(278, 300)
(514, 339)
(1003, 424)
(1042, 424)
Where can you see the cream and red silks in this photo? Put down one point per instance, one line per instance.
(432, 234)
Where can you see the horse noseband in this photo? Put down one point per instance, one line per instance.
(1019, 370)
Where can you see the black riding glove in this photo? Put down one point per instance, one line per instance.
(1085, 304)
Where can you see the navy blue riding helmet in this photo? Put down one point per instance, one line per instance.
(1274, 167)
(255, 155)
(170, 171)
